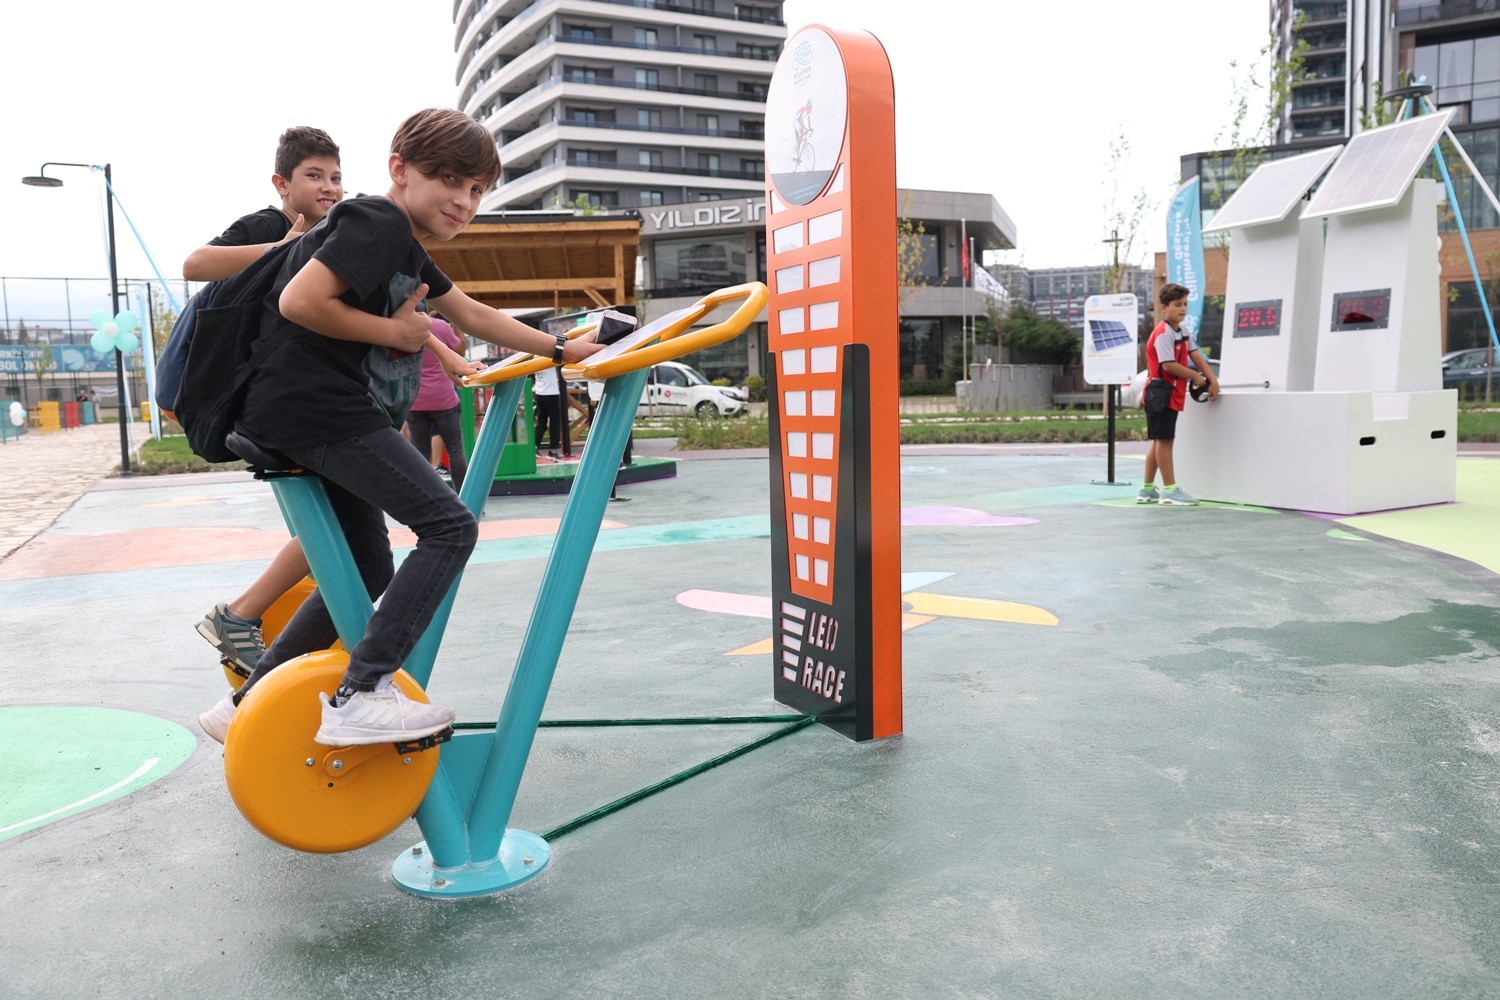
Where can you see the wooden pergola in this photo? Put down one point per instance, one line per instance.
(553, 261)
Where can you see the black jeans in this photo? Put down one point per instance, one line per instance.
(446, 425)
(367, 477)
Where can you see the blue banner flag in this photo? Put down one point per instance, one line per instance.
(1185, 250)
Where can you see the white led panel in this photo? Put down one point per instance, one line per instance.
(1378, 165)
(1272, 190)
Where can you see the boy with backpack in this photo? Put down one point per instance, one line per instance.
(359, 280)
(309, 180)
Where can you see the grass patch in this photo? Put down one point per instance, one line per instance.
(1478, 425)
(703, 435)
(171, 455)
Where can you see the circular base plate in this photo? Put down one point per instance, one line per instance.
(522, 855)
(308, 796)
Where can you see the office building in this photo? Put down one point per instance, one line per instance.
(692, 248)
(1060, 292)
(1455, 45)
(620, 103)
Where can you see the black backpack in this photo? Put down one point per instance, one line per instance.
(219, 359)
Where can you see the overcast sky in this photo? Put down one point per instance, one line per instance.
(186, 99)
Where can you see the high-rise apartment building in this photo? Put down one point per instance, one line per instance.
(1355, 50)
(620, 103)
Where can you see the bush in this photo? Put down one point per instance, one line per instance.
(913, 386)
(701, 435)
(725, 382)
(755, 388)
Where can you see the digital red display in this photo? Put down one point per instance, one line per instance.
(1368, 310)
(1258, 319)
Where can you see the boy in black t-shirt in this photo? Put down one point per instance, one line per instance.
(355, 280)
(310, 181)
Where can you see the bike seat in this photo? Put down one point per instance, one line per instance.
(262, 460)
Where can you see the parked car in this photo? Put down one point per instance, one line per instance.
(1468, 372)
(676, 389)
(1130, 394)
(1466, 356)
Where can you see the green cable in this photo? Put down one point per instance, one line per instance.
(725, 720)
(681, 776)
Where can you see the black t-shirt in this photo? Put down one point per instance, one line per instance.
(268, 225)
(315, 389)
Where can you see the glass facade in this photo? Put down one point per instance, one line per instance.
(1466, 323)
(698, 265)
(1466, 73)
(922, 346)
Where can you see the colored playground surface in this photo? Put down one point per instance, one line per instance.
(1231, 756)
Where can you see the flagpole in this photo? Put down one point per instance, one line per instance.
(974, 316)
(963, 332)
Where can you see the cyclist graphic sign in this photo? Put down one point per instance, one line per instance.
(833, 382)
(806, 110)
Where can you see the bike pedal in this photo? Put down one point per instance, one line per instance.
(426, 742)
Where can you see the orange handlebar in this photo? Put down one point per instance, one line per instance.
(663, 339)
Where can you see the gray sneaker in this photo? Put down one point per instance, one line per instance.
(385, 715)
(237, 639)
(1147, 494)
(1178, 497)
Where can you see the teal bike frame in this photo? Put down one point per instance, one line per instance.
(468, 849)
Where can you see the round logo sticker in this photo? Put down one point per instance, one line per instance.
(806, 110)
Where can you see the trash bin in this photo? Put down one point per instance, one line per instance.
(86, 413)
(961, 393)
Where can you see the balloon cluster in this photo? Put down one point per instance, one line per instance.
(117, 333)
(17, 414)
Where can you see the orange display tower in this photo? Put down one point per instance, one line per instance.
(833, 382)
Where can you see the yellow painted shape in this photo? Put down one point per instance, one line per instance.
(982, 609)
(765, 647)
(303, 806)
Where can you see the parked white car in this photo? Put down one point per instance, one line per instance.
(675, 389)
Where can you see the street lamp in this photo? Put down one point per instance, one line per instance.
(42, 180)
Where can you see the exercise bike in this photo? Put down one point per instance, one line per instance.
(461, 787)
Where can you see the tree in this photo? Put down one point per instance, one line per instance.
(1124, 217)
(162, 318)
(1259, 104)
(1023, 329)
(911, 253)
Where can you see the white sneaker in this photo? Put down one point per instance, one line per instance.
(385, 715)
(215, 722)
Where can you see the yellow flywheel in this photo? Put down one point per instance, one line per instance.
(308, 796)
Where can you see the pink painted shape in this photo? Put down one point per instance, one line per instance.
(157, 548)
(747, 605)
(960, 517)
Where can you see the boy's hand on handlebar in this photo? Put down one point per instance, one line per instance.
(579, 348)
(457, 366)
(412, 327)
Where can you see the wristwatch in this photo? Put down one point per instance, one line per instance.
(557, 352)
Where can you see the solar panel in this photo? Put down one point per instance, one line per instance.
(1272, 190)
(1108, 333)
(1378, 165)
